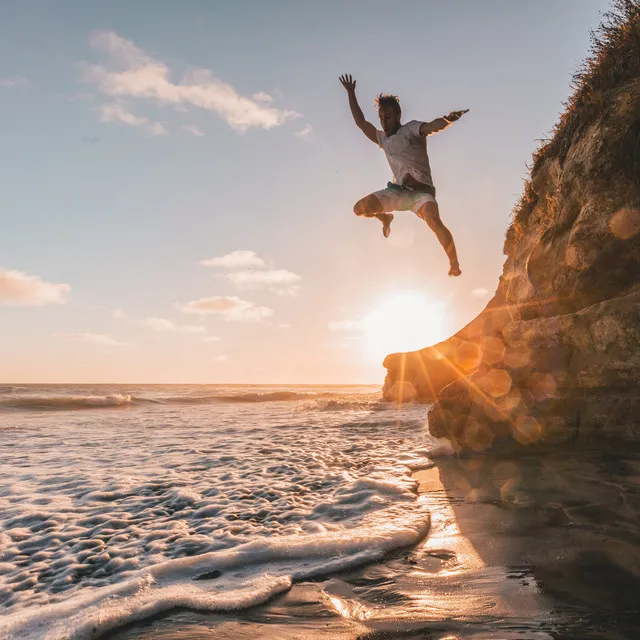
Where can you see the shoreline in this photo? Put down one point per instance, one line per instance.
(325, 609)
(516, 550)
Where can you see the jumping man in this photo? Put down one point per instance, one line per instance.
(405, 146)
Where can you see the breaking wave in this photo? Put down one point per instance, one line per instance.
(65, 402)
(273, 396)
(328, 401)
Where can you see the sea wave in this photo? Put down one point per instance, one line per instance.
(267, 396)
(65, 402)
(332, 401)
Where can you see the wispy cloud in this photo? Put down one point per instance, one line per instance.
(19, 289)
(350, 331)
(250, 272)
(230, 308)
(261, 96)
(350, 342)
(241, 259)
(119, 314)
(211, 339)
(284, 325)
(221, 358)
(117, 112)
(162, 324)
(345, 325)
(189, 128)
(479, 292)
(95, 338)
(306, 133)
(278, 281)
(14, 81)
(129, 72)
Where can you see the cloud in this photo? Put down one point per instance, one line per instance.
(344, 325)
(161, 324)
(221, 358)
(118, 313)
(95, 338)
(19, 289)
(479, 292)
(116, 112)
(211, 339)
(261, 96)
(230, 308)
(278, 281)
(349, 342)
(235, 260)
(306, 133)
(189, 128)
(14, 81)
(348, 325)
(246, 274)
(130, 72)
(284, 325)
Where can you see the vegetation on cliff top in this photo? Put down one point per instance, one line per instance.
(613, 60)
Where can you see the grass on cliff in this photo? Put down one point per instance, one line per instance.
(613, 60)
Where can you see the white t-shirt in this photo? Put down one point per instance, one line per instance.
(406, 152)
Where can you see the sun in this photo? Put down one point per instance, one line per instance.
(405, 322)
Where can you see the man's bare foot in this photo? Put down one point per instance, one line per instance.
(386, 219)
(455, 270)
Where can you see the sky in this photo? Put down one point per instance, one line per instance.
(178, 180)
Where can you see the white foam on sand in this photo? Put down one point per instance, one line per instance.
(227, 580)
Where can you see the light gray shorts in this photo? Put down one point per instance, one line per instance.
(403, 199)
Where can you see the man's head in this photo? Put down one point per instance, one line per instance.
(389, 112)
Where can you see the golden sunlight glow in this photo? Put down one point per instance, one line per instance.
(405, 322)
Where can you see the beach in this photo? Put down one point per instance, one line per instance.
(536, 548)
(365, 535)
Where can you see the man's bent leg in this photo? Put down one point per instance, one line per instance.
(430, 213)
(368, 207)
(371, 207)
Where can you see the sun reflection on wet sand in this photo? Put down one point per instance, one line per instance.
(448, 582)
(445, 532)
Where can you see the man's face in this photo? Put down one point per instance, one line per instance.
(389, 119)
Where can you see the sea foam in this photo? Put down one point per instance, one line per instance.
(245, 576)
(107, 517)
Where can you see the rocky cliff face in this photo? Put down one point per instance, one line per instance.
(555, 355)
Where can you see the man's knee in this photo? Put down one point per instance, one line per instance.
(368, 206)
(431, 215)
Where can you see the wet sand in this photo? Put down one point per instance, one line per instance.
(535, 547)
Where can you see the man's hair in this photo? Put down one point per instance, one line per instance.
(387, 100)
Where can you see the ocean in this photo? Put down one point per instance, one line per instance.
(164, 511)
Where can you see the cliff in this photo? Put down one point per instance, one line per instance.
(555, 355)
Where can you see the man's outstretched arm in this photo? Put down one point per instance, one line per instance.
(366, 127)
(427, 128)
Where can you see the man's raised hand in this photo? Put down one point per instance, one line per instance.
(348, 82)
(456, 115)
